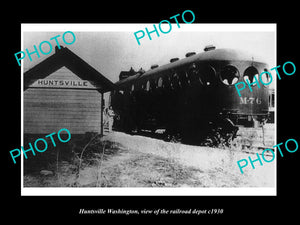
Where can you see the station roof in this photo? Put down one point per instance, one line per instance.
(65, 57)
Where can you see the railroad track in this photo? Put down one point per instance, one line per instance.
(252, 149)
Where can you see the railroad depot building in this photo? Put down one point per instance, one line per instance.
(64, 91)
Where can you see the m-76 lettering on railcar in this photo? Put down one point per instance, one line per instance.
(250, 100)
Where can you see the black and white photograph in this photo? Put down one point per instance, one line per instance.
(106, 111)
(128, 111)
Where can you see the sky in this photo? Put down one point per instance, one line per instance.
(111, 48)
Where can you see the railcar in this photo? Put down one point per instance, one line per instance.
(194, 97)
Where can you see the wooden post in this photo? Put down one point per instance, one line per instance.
(101, 114)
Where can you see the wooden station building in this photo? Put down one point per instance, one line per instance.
(64, 91)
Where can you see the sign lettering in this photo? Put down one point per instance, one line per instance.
(58, 83)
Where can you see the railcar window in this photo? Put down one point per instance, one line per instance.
(132, 87)
(183, 78)
(193, 74)
(160, 82)
(265, 78)
(229, 75)
(250, 73)
(171, 82)
(271, 99)
(188, 78)
(148, 86)
(206, 75)
(175, 81)
(167, 82)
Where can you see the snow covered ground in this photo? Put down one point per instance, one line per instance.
(122, 160)
(218, 167)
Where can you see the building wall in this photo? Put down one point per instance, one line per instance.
(48, 110)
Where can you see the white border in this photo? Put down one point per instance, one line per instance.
(245, 27)
(22, 116)
(59, 191)
(94, 191)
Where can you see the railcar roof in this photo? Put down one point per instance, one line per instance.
(213, 55)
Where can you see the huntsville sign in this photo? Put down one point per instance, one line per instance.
(58, 83)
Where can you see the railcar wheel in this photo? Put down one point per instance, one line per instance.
(221, 134)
